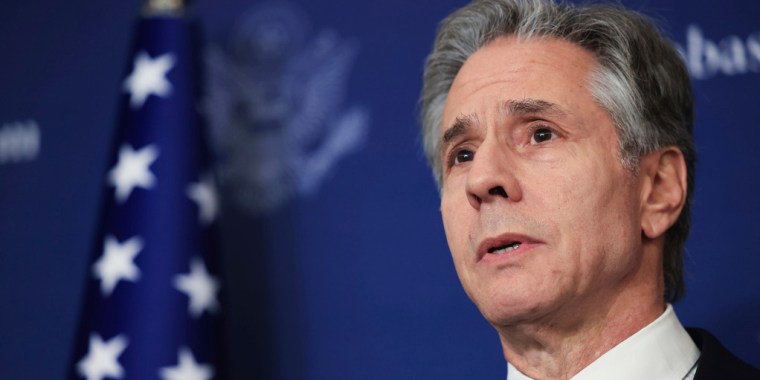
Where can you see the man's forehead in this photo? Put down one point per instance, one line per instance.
(534, 46)
(509, 55)
(521, 76)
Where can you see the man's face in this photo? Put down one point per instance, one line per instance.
(540, 215)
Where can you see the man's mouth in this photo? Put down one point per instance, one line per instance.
(511, 246)
(506, 244)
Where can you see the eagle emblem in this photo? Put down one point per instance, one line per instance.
(275, 105)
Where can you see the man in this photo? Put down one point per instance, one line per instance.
(560, 137)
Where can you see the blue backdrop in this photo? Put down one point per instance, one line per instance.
(336, 265)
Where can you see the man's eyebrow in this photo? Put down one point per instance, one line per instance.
(459, 127)
(522, 107)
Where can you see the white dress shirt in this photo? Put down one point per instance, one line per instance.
(661, 350)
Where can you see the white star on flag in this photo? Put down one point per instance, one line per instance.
(203, 193)
(148, 77)
(117, 263)
(200, 286)
(133, 170)
(187, 369)
(101, 359)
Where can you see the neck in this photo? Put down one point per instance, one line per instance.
(560, 344)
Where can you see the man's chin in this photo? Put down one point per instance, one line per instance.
(514, 310)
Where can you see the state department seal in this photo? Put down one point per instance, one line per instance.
(275, 106)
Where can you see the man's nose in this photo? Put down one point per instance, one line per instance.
(491, 177)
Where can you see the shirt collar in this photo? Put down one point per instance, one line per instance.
(664, 345)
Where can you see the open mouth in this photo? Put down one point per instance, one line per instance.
(499, 249)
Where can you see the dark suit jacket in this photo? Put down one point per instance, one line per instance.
(716, 362)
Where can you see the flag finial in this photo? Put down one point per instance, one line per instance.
(153, 7)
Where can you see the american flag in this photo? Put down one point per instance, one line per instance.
(152, 308)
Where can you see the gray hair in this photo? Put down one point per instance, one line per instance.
(641, 81)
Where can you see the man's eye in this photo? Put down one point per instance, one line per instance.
(463, 155)
(541, 135)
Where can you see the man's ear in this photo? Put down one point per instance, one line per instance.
(665, 195)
